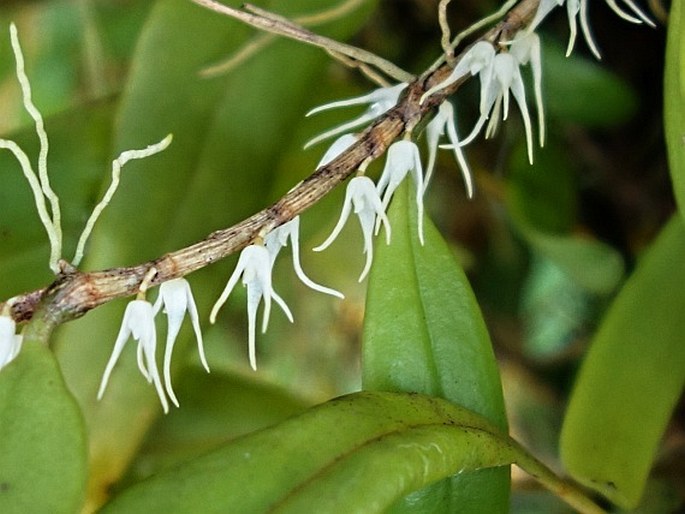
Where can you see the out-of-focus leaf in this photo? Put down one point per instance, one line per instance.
(358, 453)
(229, 134)
(632, 377)
(541, 202)
(42, 440)
(554, 309)
(216, 408)
(423, 332)
(580, 90)
(674, 100)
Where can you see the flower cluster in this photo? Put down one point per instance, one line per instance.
(139, 323)
(498, 69)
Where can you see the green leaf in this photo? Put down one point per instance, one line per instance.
(42, 440)
(423, 332)
(632, 377)
(674, 100)
(216, 408)
(358, 453)
(579, 90)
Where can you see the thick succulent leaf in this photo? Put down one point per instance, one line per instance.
(423, 332)
(216, 408)
(674, 100)
(632, 377)
(42, 440)
(358, 453)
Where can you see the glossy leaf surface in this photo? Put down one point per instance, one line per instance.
(358, 453)
(424, 332)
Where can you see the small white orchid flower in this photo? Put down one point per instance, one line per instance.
(477, 60)
(403, 157)
(380, 101)
(139, 323)
(339, 146)
(278, 238)
(177, 298)
(255, 265)
(362, 197)
(10, 341)
(444, 119)
(526, 49)
(506, 78)
(576, 7)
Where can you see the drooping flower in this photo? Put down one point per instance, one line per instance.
(478, 60)
(278, 238)
(402, 158)
(139, 323)
(380, 101)
(10, 341)
(505, 79)
(579, 7)
(255, 265)
(361, 196)
(177, 299)
(339, 146)
(444, 120)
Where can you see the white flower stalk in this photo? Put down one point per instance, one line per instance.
(254, 264)
(177, 299)
(117, 164)
(39, 182)
(361, 196)
(580, 7)
(339, 146)
(138, 323)
(403, 158)
(441, 122)
(10, 341)
(380, 101)
(278, 239)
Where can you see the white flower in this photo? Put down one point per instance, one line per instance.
(278, 238)
(477, 60)
(362, 196)
(254, 264)
(444, 119)
(526, 49)
(139, 323)
(381, 100)
(403, 157)
(10, 341)
(177, 298)
(496, 86)
(575, 7)
(339, 146)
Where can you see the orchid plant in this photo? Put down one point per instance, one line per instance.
(423, 424)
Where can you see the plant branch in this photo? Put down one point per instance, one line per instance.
(75, 292)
